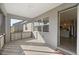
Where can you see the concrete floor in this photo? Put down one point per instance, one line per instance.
(29, 47)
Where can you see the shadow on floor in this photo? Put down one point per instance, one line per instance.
(28, 46)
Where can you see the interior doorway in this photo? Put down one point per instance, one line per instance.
(68, 29)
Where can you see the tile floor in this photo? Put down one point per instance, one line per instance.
(68, 44)
(29, 47)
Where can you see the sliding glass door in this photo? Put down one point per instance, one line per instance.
(68, 29)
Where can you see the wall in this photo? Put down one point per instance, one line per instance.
(7, 22)
(51, 37)
(78, 30)
(1, 18)
(7, 29)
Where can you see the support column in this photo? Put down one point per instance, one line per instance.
(7, 29)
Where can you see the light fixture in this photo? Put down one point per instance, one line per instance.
(65, 24)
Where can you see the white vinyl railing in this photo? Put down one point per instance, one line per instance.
(20, 35)
(15, 36)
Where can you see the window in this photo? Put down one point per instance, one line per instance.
(39, 28)
(35, 24)
(46, 20)
(39, 25)
(46, 24)
(46, 28)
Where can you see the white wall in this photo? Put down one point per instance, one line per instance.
(51, 37)
(7, 23)
(7, 29)
(78, 30)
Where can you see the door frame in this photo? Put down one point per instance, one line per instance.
(58, 31)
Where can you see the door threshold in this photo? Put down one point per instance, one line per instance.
(69, 52)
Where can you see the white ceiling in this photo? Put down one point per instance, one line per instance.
(30, 10)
